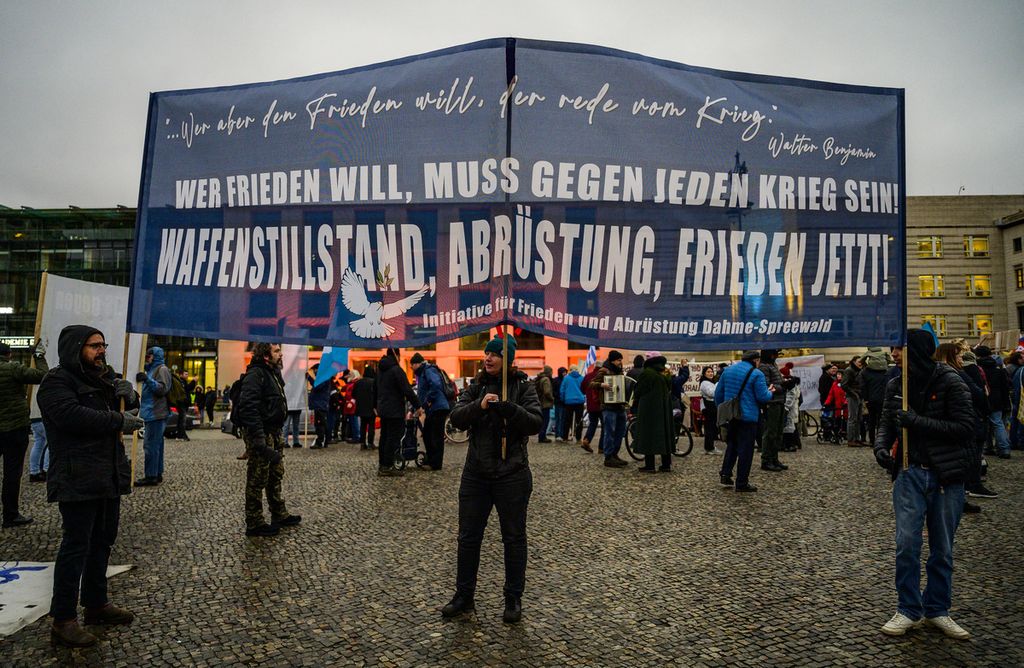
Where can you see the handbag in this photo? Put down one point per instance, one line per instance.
(732, 410)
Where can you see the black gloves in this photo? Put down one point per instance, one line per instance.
(883, 458)
(124, 390)
(131, 422)
(505, 409)
(270, 454)
(906, 418)
(141, 377)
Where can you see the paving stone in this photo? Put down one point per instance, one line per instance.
(624, 569)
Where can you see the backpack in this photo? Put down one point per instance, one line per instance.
(447, 386)
(177, 394)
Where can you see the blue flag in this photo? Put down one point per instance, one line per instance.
(332, 362)
(928, 328)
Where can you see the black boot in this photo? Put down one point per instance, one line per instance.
(513, 609)
(458, 605)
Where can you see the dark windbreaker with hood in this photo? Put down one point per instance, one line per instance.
(83, 426)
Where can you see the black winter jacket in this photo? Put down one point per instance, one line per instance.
(873, 385)
(83, 427)
(825, 383)
(365, 394)
(262, 405)
(393, 389)
(998, 385)
(941, 436)
(486, 427)
(976, 384)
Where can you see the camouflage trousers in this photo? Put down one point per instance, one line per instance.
(262, 476)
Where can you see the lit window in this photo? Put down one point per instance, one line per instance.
(938, 323)
(975, 246)
(979, 285)
(929, 247)
(979, 325)
(1018, 276)
(931, 286)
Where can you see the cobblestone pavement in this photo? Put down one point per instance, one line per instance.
(625, 569)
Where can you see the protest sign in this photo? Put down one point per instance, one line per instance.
(68, 301)
(575, 191)
(808, 369)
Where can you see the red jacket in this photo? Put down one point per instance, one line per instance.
(593, 394)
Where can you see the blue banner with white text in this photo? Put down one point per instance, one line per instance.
(571, 190)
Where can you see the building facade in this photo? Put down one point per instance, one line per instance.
(960, 264)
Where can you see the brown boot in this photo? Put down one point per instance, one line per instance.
(108, 615)
(585, 444)
(70, 634)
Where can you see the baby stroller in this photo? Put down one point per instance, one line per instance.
(833, 426)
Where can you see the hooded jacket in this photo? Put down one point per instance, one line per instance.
(83, 426)
(998, 384)
(14, 376)
(545, 393)
(571, 389)
(825, 383)
(940, 429)
(393, 389)
(155, 388)
(486, 427)
(262, 405)
(755, 392)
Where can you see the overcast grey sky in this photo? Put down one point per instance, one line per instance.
(75, 76)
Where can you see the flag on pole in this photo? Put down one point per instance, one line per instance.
(591, 356)
(931, 330)
(332, 362)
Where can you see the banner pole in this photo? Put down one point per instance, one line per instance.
(504, 385)
(906, 405)
(142, 361)
(38, 328)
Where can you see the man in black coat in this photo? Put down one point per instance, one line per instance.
(939, 424)
(872, 385)
(393, 390)
(80, 402)
(496, 475)
(998, 400)
(365, 395)
(261, 412)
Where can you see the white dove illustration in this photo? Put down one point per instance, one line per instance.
(371, 325)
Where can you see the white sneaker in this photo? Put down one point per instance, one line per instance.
(716, 451)
(899, 624)
(949, 627)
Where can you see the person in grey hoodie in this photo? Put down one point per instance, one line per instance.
(156, 383)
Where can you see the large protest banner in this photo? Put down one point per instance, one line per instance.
(69, 301)
(572, 190)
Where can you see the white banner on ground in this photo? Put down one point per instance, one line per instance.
(25, 591)
(68, 301)
(808, 370)
(295, 362)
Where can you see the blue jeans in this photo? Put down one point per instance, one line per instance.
(613, 429)
(39, 458)
(291, 426)
(556, 428)
(999, 431)
(739, 451)
(1016, 431)
(353, 425)
(545, 420)
(153, 446)
(916, 498)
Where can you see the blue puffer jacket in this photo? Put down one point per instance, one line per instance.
(754, 394)
(155, 388)
(570, 390)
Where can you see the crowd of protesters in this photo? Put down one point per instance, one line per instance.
(961, 406)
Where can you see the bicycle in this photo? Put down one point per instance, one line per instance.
(681, 431)
(452, 434)
(808, 424)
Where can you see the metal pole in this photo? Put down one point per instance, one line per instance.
(504, 385)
